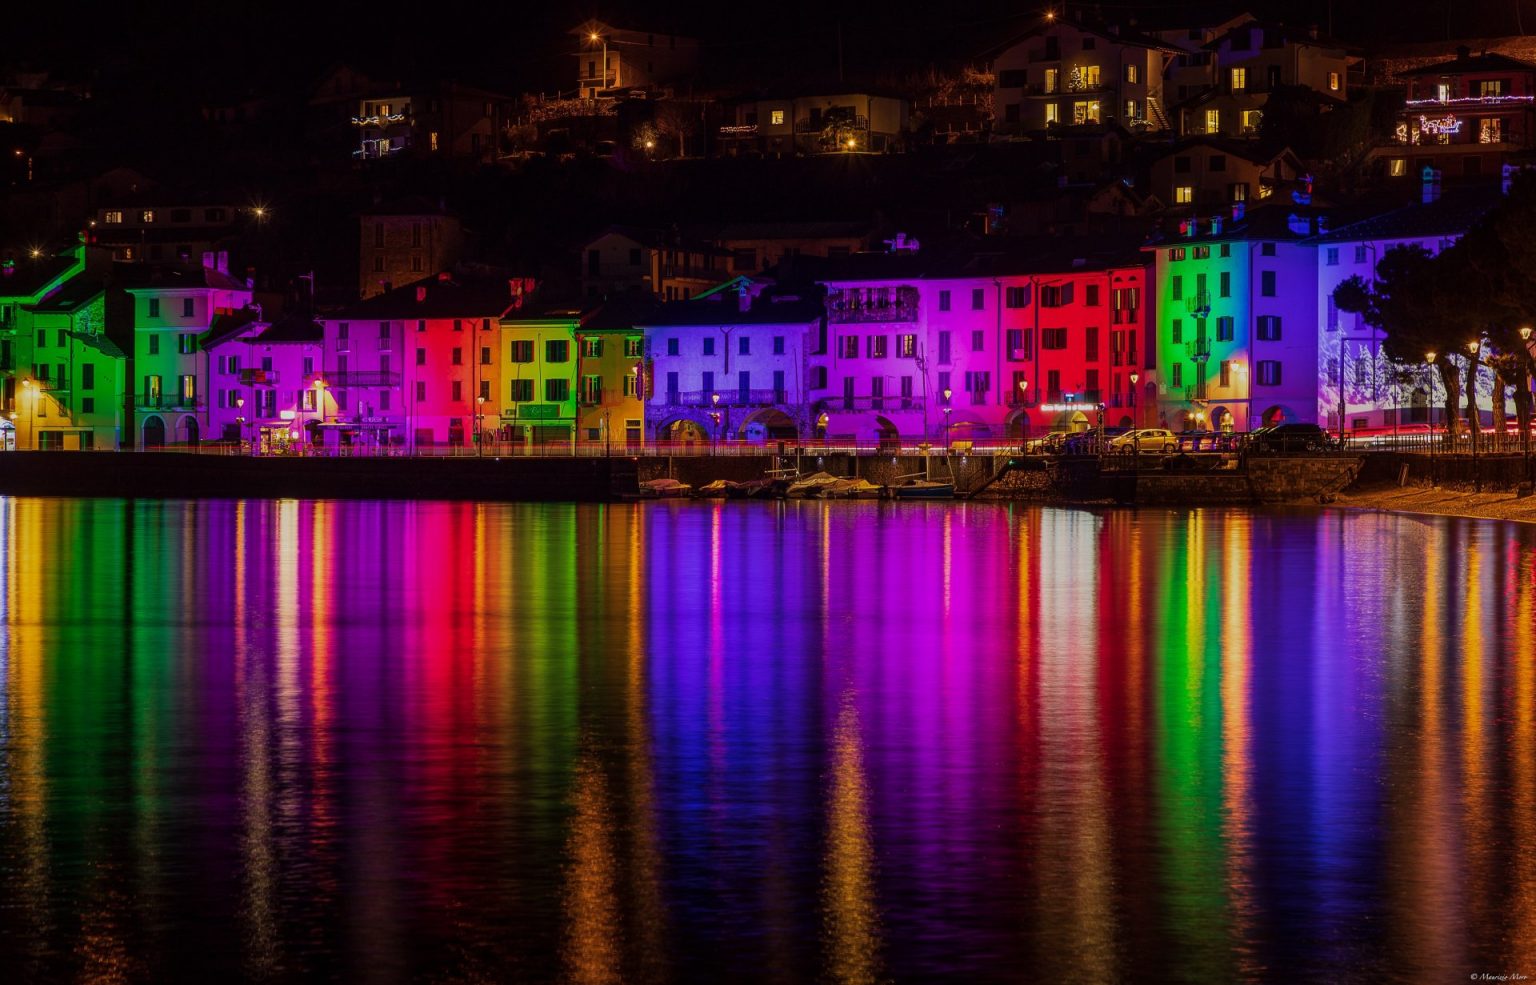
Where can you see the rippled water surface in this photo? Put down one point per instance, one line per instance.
(752, 742)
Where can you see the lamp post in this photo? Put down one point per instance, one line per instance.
(480, 426)
(1023, 414)
(1474, 414)
(1525, 432)
(947, 408)
(714, 415)
(240, 420)
(594, 37)
(27, 388)
(1135, 421)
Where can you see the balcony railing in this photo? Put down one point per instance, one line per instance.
(728, 398)
(350, 379)
(258, 377)
(876, 403)
(147, 401)
(851, 306)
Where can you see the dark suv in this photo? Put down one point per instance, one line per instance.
(1290, 437)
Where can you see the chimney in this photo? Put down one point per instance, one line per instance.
(208, 259)
(222, 260)
(1431, 185)
(421, 294)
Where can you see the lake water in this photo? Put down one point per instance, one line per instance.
(747, 742)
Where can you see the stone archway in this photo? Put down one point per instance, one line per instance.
(187, 431)
(1071, 420)
(768, 424)
(154, 432)
(1222, 421)
(887, 435)
(1279, 414)
(685, 431)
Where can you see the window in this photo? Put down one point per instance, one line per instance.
(186, 343)
(591, 389)
(1176, 331)
(557, 390)
(1183, 164)
(1239, 78)
(1176, 253)
(1178, 374)
(943, 382)
(189, 389)
(1224, 329)
(1332, 256)
(1052, 80)
(1202, 253)
(633, 346)
(154, 307)
(421, 357)
(1091, 295)
(978, 340)
(114, 218)
(557, 351)
(943, 300)
(1184, 195)
(458, 357)
(744, 346)
(818, 377)
(416, 264)
(906, 346)
(485, 355)
(1217, 162)
(592, 348)
(1016, 297)
(631, 385)
(709, 347)
(1092, 344)
(1085, 111)
(672, 347)
(1267, 283)
(1269, 328)
(775, 118)
(1176, 288)
(1132, 110)
(1251, 120)
(1226, 250)
(1213, 125)
(848, 346)
(521, 350)
(520, 391)
(977, 385)
(1333, 81)
(944, 352)
(187, 307)
(1490, 130)
(876, 347)
(1053, 338)
(978, 298)
(1225, 290)
(1052, 113)
(1056, 295)
(1266, 249)
(707, 381)
(1360, 252)
(1226, 372)
(154, 345)
(1238, 191)
(88, 376)
(1132, 74)
(378, 264)
(1269, 372)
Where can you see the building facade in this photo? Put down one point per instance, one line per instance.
(404, 241)
(1463, 117)
(266, 390)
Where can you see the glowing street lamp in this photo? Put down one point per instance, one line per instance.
(947, 409)
(480, 426)
(240, 417)
(1473, 423)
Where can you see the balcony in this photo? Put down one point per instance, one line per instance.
(875, 305)
(344, 380)
(147, 401)
(876, 403)
(728, 398)
(809, 125)
(258, 377)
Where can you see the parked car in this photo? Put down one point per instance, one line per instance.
(1290, 438)
(1146, 440)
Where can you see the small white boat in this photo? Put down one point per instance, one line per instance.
(664, 489)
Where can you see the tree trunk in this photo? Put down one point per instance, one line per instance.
(1473, 423)
(1500, 418)
(1450, 378)
(1522, 396)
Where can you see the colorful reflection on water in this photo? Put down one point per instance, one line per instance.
(794, 742)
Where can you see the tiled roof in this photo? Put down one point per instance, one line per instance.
(76, 292)
(172, 277)
(296, 327)
(1466, 63)
(435, 297)
(1457, 210)
(723, 309)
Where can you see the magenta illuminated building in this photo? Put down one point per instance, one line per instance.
(266, 387)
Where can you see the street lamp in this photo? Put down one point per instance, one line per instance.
(480, 425)
(947, 409)
(319, 405)
(1023, 413)
(594, 37)
(1474, 415)
(240, 418)
(31, 401)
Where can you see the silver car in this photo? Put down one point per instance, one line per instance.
(1145, 440)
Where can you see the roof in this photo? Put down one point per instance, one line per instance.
(1456, 211)
(1287, 34)
(656, 239)
(1466, 63)
(76, 292)
(619, 314)
(1107, 31)
(441, 296)
(1270, 220)
(1247, 150)
(30, 276)
(227, 326)
(296, 327)
(724, 309)
(173, 277)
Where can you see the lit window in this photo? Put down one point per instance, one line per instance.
(1131, 74)
(1251, 119)
(1333, 81)
(1213, 121)
(148, 215)
(776, 117)
(1239, 79)
(113, 218)
(1052, 80)
(1184, 194)
(1052, 113)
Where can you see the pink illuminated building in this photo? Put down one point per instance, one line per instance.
(265, 385)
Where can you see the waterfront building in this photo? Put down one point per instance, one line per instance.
(1356, 382)
(61, 376)
(416, 366)
(170, 308)
(1074, 73)
(736, 364)
(536, 405)
(610, 373)
(401, 242)
(266, 386)
(1463, 117)
(982, 346)
(1236, 330)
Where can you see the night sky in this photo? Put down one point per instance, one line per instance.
(214, 47)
